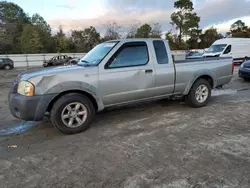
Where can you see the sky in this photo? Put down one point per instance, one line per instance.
(78, 14)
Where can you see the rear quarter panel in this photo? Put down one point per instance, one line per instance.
(187, 72)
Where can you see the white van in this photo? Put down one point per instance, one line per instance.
(238, 48)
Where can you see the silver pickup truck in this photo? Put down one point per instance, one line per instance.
(114, 73)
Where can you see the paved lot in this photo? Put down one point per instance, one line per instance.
(160, 144)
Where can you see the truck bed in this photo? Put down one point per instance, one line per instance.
(203, 59)
(218, 68)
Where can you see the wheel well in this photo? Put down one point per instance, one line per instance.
(208, 78)
(92, 99)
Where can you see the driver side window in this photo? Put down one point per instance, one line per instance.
(228, 50)
(129, 55)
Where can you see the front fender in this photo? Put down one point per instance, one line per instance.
(53, 85)
(197, 76)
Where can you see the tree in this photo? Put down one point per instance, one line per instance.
(132, 31)
(156, 31)
(148, 31)
(208, 37)
(31, 39)
(184, 19)
(12, 13)
(85, 39)
(144, 31)
(62, 42)
(193, 41)
(38, 20)
(173, 41)
(239, 30)
(12, 19)
(45, 32)
(113, 30)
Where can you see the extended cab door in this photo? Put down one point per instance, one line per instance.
(128, 75)
(164, 69)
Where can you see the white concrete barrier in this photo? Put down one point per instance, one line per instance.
(35, 60)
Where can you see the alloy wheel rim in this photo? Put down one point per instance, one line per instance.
(74, 114)
(201, 93)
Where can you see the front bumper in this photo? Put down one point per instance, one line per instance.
(29, 108)
(244, 73)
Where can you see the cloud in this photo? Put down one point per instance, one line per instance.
(128, 12)
(217, 11)
(66, 7)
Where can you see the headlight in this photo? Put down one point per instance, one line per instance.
(25, 88)
(242, 64)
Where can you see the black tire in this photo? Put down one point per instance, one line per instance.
(247, 79)
(61, 103)
(191, 97)
(7, 67)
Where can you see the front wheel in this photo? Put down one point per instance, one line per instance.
(7, 67)
(199, 94)
(72, 113)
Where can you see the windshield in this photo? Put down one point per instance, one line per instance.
(96, 55)
(216, 48)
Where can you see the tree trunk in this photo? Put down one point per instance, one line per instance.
(180, 36)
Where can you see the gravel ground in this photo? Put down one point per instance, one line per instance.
(164, 144)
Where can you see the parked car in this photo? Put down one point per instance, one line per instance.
(195, 55)
(238, 48)
(6, 63)
(114, 73)
(73, 61)
(57, 60)
(244, 71)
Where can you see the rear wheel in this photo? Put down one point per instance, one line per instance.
(72, 113)
(199, 94)
(7, 67)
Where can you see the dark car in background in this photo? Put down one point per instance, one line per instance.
(57, 60)
(244, 71)
(6, 63)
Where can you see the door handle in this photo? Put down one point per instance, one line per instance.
(148, 71)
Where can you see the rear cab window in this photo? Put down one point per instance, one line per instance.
(160, 52)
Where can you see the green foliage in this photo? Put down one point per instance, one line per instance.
(184, 19)
(12, 13)
(12, 20)
(146, 31)
(208, 37)
(31, 39)
(20, 33)
(86, 39)
(193, 41)
(239, 30)
(62, 42)
(174, 42)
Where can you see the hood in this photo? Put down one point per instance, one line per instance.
(48, 71)
(211, 54)
(246, 64)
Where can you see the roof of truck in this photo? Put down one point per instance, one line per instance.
(135, 39)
